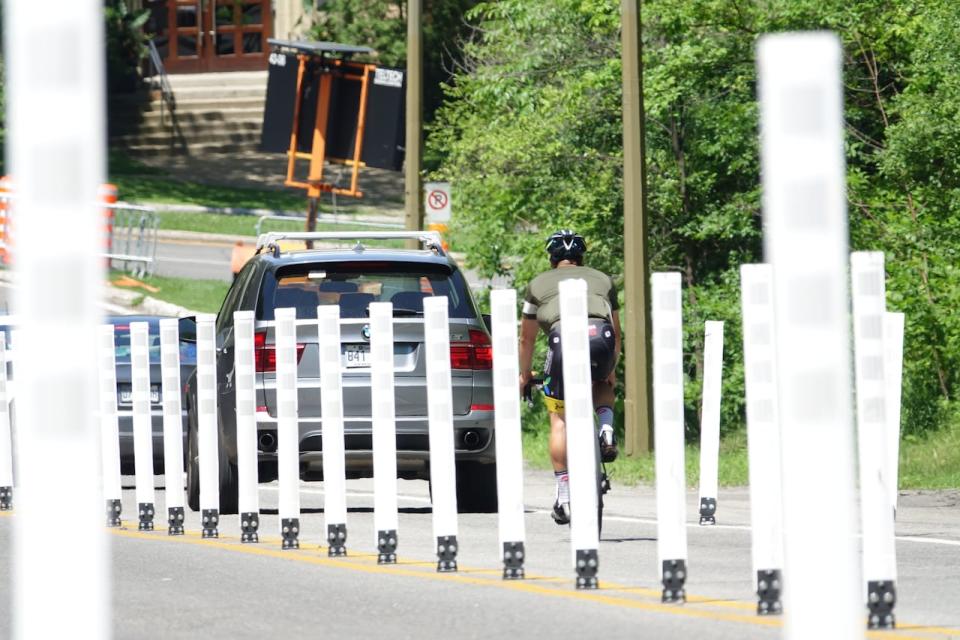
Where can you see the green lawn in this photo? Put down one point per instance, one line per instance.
(243, 225)
(137, 182)
(931, 462)
(199, 295)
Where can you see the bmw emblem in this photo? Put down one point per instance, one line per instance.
(365, 332)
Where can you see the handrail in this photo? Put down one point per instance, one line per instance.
(429, 238)
(166, 91)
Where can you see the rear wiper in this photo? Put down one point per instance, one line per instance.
(399, 311)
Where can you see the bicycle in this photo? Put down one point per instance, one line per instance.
(603, 480)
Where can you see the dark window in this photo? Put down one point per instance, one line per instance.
(354, 285)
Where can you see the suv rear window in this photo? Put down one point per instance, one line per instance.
(354, 285)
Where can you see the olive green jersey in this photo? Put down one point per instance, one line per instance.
(542, 298)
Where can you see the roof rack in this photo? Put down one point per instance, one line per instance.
(430, 239)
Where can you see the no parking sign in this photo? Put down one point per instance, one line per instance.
(436, 201)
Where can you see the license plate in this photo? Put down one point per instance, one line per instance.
(355, 356)
(126, 396)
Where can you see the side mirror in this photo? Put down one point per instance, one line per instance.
(188, 329)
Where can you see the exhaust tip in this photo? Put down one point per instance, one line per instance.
(471, 439)
(268, 442)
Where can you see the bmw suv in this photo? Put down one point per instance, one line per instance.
(276, 277)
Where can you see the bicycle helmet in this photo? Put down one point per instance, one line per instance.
(566, 244)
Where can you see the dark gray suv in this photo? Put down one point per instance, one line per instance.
(352, 279)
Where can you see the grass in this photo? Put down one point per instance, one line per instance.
(138, 182)
(242, 225)
(199, 295)
(926, 462)
(931, 461)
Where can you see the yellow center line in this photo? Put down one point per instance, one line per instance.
(366, 563)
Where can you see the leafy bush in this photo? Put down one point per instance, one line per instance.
(530, 133)
(126, 45)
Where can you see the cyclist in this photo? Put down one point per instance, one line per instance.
(541, 310)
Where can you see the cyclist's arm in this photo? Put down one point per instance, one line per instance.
(528, 336)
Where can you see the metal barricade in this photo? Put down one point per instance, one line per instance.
(133, 239)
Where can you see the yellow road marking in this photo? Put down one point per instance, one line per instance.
(365, 563)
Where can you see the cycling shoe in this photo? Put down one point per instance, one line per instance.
(608, 446)
(561, 513)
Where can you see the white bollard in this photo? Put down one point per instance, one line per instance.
(876, 511)
(443, 473)
(207, 438)
(668, 434)
(763, 435)
(288, 429)
(6, 436)
(509, 444)
(172, 424)
(142, 423)
(331, 411)
(109, 423)
(805, 242)
(248, 496)
(893, 378)
(710, 421)
(60, 583)
(384, 432)
(582, 442)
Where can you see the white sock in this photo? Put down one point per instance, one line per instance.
(563, 486)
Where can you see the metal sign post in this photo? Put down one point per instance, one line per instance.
(443, 473)
(142, 423)
(805, 242)
(763, 435)
(876, 511)
(384, 432)
(207, 440)
(248, 497)
(668, 432)
(582, 441)
(288, 429)
(172, 424)
(509, 444)
(710, 421)
(331, 408)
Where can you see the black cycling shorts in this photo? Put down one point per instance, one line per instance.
(603, 344)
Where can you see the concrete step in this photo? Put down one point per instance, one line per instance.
(192, 149)
(184, 126)
(196, 121)
(186, 106)
(204, 137)
(223, 79)
(220, 93)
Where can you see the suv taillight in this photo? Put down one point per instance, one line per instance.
(265, 355)
(476, 354)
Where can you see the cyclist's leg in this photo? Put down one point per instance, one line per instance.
(602, 359)
(553, 399)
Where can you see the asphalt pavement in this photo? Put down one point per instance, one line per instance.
(178, 587)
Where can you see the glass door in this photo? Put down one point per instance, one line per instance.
(210, 35)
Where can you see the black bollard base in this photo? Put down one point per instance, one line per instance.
(674, 578)
(211, 520)
(513, 555)
(387, 546)
(587, 565)
(249, 525)
(146, 511)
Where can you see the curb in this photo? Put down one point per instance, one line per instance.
(243, 211)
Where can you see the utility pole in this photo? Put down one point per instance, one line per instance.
(638, 425)
(413, 155)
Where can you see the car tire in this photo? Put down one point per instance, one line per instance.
(476, 487)
(229, 484)
(193, 468)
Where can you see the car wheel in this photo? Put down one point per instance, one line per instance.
(193, 468)
(229, 484)
(476, 487)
